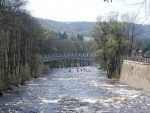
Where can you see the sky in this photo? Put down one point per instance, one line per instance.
(79, 10)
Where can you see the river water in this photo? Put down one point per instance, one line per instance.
(74, 91)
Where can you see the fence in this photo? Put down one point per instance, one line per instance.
(138, 59)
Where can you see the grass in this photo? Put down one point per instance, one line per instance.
(88, 38)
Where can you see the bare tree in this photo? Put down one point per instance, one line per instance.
(140, 5)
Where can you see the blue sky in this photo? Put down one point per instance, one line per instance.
(78, 10)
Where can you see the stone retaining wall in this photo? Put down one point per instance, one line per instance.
(136, 74)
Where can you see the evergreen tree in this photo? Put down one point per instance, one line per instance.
(80, 37)
(65, 35)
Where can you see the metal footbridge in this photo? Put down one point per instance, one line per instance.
(77, 56)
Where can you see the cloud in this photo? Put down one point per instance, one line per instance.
(76, 10)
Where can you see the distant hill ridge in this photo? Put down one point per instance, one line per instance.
(70, 28)
(85, 28)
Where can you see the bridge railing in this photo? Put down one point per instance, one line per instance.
(77, 56)
(138, 59)
(67, 54)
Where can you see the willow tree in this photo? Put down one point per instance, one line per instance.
(110, 44)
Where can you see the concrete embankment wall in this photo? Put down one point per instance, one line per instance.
(136, 74)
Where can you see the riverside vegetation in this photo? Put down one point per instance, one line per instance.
(114, 39)
(23, 40)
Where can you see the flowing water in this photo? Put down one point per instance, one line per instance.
(82, 90)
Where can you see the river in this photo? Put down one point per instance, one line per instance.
(82, 90)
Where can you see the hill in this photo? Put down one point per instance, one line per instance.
(84, 28)
(143, 30)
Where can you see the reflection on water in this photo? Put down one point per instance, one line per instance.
(84, 91)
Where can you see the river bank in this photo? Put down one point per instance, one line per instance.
(17, 79)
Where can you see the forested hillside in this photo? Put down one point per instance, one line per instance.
(70, 28)
(84, 28)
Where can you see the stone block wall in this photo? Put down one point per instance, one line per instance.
(136, 74)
